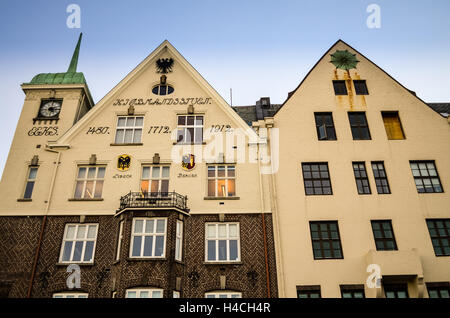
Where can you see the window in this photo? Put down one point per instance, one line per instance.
(325, 126)
(393, 125)
(222, 242)
(176, 294)
(190, 129)
(89, 183)
(221, 181)
(440, 236)
(119, 240)
(352, 291)
(308, 292)
(129, 129)
(438, 290)
(223, 294)
(162, 90)
(148, 237)
(360, 87)
(359, 126)
(381, 180)
(144, 293)
(340, 87)
(384, 236)
(426, 177)
(78, 244)
(396, 291)
(316, 179)
(31, 179)
(155, 179)
(362, 181)
(325, 240)
(70, 295)
(179, 241)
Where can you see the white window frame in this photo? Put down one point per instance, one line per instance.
(216, 178)
(223, 294)
(179, 241)
(74, 240)
(195, 126)
(119, 240)
(85, 180)
(143, 235)
(227, 238)
(139, 291)
(134, 128)
(150, 178)
(30, 180)
(70, 295)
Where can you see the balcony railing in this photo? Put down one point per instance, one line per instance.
(153, 200)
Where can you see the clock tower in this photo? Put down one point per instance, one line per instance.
(54, 102)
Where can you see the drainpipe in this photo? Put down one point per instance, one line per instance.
(44, 221)
(276, 224)
(263, 221)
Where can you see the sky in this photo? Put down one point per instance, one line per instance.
(255, 47)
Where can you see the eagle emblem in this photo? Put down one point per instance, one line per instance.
(123, 162)
(164, 66)
(188, 162)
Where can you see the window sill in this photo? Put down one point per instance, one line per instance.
(127, 144)
(189, 143)
(79, 264)
(81, 199)
(223, 263)
(24, 200)
(146, 259)
(221, 198)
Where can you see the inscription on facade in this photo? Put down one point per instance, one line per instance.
(43, 131)
(162, 101)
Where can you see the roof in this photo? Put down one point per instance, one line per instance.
(441, 108)
(248, 113)
(69, 77)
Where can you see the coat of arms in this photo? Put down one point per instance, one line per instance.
(123, 162)
(188, 162)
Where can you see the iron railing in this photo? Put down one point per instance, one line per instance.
(158, 200)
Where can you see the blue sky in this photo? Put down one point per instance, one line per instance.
(256, 47)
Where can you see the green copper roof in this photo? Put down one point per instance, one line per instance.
(69, 77)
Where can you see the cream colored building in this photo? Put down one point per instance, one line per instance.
(401, 133)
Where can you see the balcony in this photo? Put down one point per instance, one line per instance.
(153, 201)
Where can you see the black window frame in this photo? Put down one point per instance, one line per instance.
(380, 176)
(422, 177)
(438, 239)
(361, 178)
(328, 129)
(360, 127)
(309, 176)
(384, 239)
(438, 288)
(339, 89)
(352, 289)
(308, 291)
(360, 87)
(329, 239)
(396, 288)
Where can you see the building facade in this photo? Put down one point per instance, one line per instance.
(136, 191)
(161, 189)
(361, 200)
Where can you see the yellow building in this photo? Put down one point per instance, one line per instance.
(363, 178)
(161, 189)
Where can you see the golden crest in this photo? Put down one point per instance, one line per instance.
(123, 162)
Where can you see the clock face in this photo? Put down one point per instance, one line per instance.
(50, 109)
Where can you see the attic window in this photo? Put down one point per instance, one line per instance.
(162, 90)
(340, 88)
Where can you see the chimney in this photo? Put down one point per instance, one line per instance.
(262, 105)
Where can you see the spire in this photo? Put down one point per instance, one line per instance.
(73, 63)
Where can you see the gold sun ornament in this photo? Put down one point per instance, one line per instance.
(344, 60)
